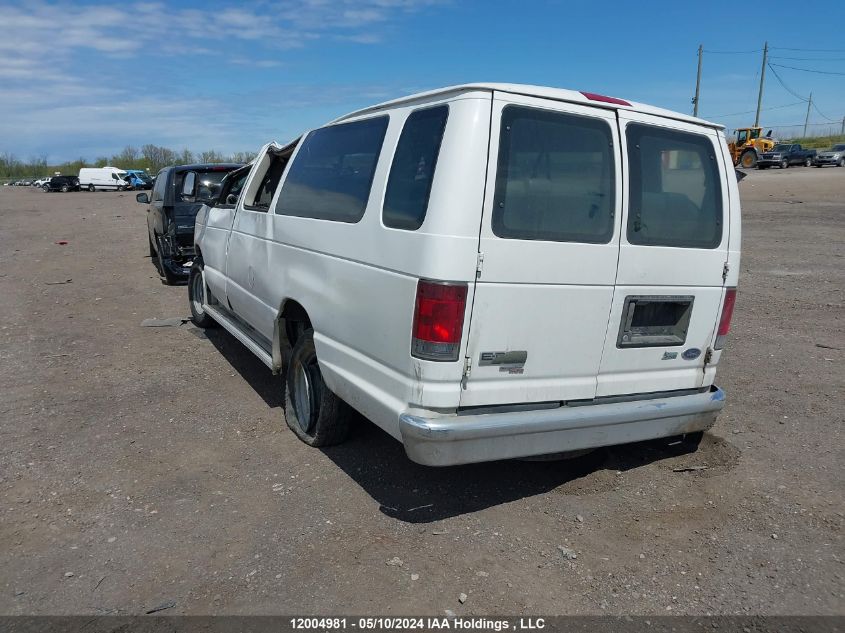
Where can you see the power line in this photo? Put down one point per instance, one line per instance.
(810, 59)
(807, 70)
(811, 50)
(787, 105)
(823, 115)
(785, 87)
(756, 50)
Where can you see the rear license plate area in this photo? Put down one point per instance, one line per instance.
(654, 321)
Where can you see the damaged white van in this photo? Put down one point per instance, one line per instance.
(484, 271)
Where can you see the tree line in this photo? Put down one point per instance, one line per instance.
(147, 157)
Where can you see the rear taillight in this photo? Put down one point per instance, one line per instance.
(438, 320)
(725, 319)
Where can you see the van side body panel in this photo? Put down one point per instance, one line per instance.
(357, 281)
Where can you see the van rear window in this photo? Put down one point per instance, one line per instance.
(675, 192)
(331, 175)
(555, 177)
(412, 172)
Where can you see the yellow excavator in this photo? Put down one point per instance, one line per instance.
(748, 146)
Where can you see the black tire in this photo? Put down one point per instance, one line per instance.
(784, 164)
(748, 160)
(92, 188)
(121, 188)
(153, 254)
(197, 293)
(45, 189)
(841, 162)
(327, 417)
(808, 162)
(65, 188)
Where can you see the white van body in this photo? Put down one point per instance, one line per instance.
(596, 243)
(109, 178)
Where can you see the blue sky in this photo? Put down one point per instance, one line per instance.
(87, 78)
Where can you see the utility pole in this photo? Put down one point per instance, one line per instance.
(842, 131)
(762, 78)
(807, 119)
(697, 81)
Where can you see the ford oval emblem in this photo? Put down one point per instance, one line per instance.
(691, 354)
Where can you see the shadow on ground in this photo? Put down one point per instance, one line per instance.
(413, 493)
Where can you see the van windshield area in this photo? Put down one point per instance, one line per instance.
(675, 193)
(555, 177)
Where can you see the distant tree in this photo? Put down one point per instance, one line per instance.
(211, 156)
(102, 161)
(186, 157)
(243, 157)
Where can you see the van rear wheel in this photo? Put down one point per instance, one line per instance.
(316, 415)
(91, 188)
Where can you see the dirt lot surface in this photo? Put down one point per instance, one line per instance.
(142, 466)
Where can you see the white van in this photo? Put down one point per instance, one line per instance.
(485, 271)
(93, 178)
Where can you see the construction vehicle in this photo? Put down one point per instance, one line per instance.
(749, 145)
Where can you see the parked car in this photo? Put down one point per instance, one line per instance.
(41, 181)
(108, 178)
(785, 154)
(462, 268)
(138, 179)
(62, 183)
(171, 212)
(834, 156)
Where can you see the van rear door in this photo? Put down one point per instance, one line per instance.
(548, 247)
(672, 258)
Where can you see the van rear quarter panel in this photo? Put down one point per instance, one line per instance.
(357, 282)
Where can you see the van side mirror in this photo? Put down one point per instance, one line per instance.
(143, 198)
(232, 199)
(189, 186)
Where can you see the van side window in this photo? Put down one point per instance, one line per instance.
(264, 194)
(555, 178)
(161, 184)
(331, 175)
(412, 172)
(676, 196)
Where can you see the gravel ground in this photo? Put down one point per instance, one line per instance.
(141, 467)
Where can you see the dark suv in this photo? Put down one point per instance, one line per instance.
(177, 195)
(61, 183)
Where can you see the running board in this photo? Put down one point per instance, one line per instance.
(235, 329)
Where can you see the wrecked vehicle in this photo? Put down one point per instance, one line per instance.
(486, 271)
(177, 195)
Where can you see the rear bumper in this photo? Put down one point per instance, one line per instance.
(444, 441)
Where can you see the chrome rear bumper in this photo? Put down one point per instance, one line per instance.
(464, 439)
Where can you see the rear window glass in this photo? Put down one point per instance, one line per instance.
(676, 196)
(555, 177)
(331, 176)
(409, 184)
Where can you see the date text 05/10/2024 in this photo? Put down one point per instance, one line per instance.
(416, 623)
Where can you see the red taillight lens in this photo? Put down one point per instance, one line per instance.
(438, 320)
(725, 320)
